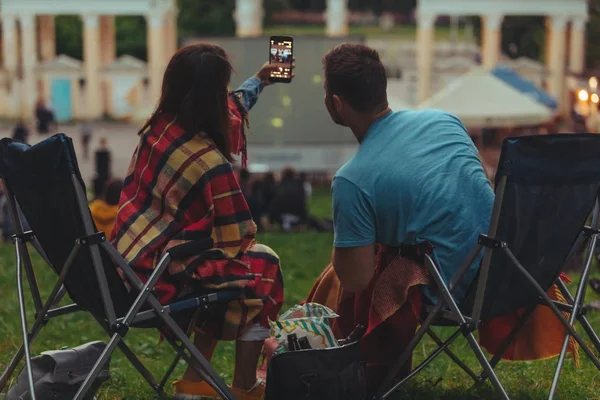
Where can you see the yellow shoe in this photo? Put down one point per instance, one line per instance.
(189, 390)
(257, 392)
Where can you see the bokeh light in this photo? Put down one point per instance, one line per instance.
(287, 101)
(583, 95)
(277, 122)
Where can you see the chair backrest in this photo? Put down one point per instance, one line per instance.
(547, 185)
(45, 180)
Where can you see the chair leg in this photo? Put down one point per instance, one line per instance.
(443, 347)
(509, 339)
(585, 323)
(568, 326)
(453, 356)
(383, 393)
(206, 375)
(24, 330)
(167, 375)
(486, 365)
(100, 363)
(173, 365)
(587, 327)
(206, 370)
(470, 337)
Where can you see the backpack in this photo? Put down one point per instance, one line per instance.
(336, 373)
(58, 374)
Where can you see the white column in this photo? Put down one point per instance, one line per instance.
(156, 50)
(557, 59)
(29, 89)
(337, 17)
(171, 46)
(108, 53)
(425, 47)
(92, 64)
(492, 40)
(577, 46)
(10, 58)
(248, 17)
(47, 40)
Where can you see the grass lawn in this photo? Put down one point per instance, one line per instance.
(303, 256)
(401, 32)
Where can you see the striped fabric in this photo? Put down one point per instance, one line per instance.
(180, 190)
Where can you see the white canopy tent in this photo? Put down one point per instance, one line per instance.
(480, 99)
(396, 91)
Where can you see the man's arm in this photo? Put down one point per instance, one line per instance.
(354, 227)
(354, 266)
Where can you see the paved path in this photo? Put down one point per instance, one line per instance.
(122, 140)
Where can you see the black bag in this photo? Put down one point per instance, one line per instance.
(58, 374)
(330, 374)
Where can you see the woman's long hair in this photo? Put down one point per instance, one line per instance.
(195, 91)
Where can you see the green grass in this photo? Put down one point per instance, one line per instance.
(400, 32)
(303, 257)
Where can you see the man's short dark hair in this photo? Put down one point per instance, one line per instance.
(355, 73)
(113, 192)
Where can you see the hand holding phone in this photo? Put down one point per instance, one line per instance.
(281, 57)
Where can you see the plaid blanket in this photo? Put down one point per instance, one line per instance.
(391, 306)
(179, 190)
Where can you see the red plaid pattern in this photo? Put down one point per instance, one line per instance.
(180, 189)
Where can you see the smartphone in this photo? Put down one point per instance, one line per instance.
(281, 52)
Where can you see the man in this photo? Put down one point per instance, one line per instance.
(416, 177)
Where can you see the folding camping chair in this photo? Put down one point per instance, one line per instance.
(45, 183)
(546, 188)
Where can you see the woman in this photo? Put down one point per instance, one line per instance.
(180, 189)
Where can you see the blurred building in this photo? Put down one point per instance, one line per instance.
(100, 84)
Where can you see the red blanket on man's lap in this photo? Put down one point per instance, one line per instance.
(390, 306)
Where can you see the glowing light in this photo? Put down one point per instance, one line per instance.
(593, 83)
(277, 122)
(595, 98)
(583, 95)
(317, 79)
(286, 101)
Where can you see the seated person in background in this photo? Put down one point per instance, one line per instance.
(288, 207)
(252, 192)
(181, 190)
(104, 208)
(21, 132)
(416, 177)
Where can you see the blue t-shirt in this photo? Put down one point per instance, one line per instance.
(416, 177)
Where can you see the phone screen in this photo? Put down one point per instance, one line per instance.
(281, 55)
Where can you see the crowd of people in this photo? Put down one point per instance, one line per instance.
(282, 204)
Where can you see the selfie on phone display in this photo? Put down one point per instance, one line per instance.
(281, 55)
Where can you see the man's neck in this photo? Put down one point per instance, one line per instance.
(362, 125)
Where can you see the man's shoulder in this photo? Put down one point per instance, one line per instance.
(437, 115)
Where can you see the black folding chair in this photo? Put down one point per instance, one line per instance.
(546, 189)
(45, 183)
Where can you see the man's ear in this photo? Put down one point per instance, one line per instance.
(337, 103)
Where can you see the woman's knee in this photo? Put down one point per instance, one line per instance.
(262, 249)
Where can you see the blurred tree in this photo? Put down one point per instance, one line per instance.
(521, 36)
(215, 17)
(206, 17)
(69, 36)
(131, 36)
(593, 33)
